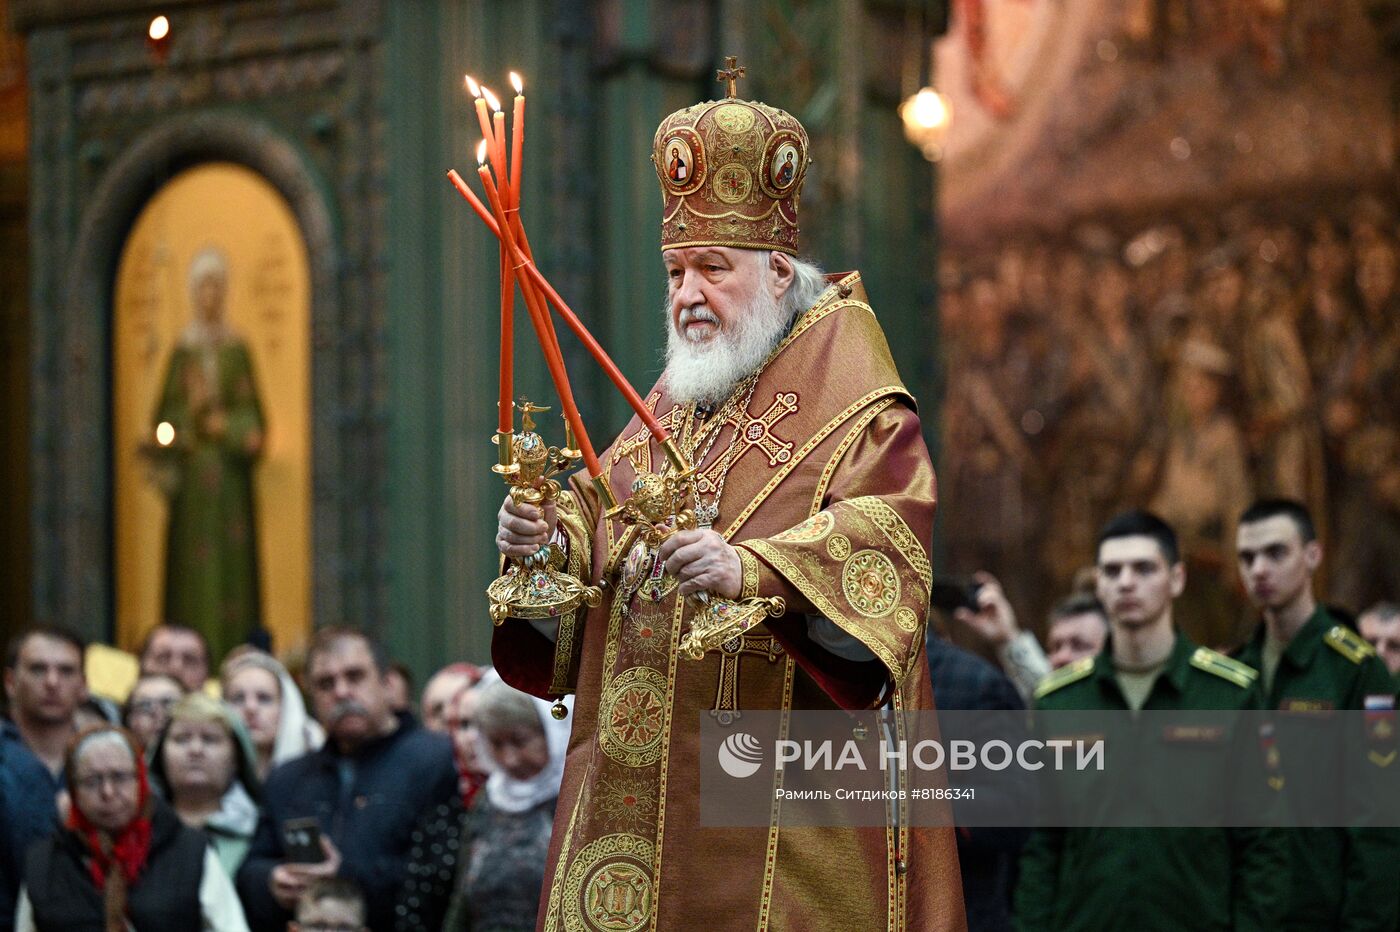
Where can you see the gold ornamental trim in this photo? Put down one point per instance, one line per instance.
(897, 532)
(770, 854)
(748, 564)
(856, 431)
(815, 594)
(611, 885)
(870, 583)
(735, 244)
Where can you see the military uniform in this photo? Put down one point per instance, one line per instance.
(1094, 878)
(1339, 878)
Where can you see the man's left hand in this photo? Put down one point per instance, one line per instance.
(703, 561)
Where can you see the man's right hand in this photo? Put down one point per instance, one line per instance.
(289, 881)
(523, 529)
(994, 618)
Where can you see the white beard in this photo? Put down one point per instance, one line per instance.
(707, 372)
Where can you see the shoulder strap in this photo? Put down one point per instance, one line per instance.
(1227, 668)
(1070, 673)
(1349, 644)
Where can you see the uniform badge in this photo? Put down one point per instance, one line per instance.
(1380, 726)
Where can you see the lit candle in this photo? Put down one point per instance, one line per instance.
(517, 142)
(483, 117)
(517, 245)
(498, 146)
(165, 433)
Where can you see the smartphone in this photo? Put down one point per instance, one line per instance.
(949, 593)
(301, 840)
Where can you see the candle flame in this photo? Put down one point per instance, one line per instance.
(473, 86)
(516, 83)
(491, 99)
(481, 152)
(165, 433)
(160, 28)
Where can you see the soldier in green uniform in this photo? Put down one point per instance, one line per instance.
(1096, 878)
(1314, 666)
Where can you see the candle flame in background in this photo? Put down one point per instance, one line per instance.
(473, 86)
(491, 99)
(160, 28)
(516, 83)
(928, 109)
(481, 152)
(165, 433)
(927, 116)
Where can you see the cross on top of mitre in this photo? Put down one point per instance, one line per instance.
(730, 75)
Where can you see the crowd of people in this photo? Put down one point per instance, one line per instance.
(215, 799)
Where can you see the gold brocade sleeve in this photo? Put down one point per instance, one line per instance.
(860, 560)
(522, 655)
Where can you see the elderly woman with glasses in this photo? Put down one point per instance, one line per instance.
(123, 862)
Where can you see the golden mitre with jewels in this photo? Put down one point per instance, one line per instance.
(730, 171)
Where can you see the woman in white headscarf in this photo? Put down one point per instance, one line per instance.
(267, 699)
(505, 838)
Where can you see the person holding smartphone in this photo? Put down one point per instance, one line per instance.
(350, 808)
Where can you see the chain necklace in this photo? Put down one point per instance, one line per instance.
(707, 512)
(641, 567)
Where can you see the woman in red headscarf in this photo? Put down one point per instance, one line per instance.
(123, 861)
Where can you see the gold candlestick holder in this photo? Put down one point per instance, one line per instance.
(664, 504)
(536, 586)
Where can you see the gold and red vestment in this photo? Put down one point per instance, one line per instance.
(828, 493)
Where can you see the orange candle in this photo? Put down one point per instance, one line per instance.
(517, 142)
(486, 218)
(498, 147)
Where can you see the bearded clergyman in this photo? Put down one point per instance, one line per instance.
(814, 485)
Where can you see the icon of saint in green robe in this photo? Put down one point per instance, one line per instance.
(210, 424)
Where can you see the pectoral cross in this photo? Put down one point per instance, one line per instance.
(730, 75)
(759, 431)
(726, 709)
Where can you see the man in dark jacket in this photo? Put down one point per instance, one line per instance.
(366, 790)
(964, 682)
(27, 814)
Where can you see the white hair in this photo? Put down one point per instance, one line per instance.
(707, 372)
(500, 706)
(101, 738)
(808, 283)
